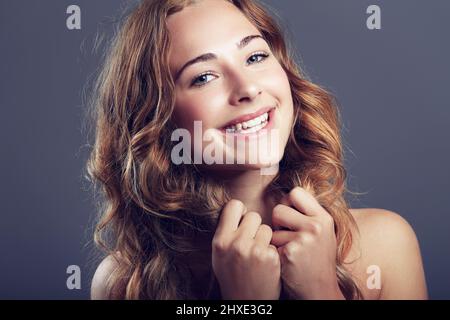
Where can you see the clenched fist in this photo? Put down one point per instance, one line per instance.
(307, 247)
(246, 265)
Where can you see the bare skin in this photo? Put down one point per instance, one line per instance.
(307, 252)
(236, 86)
(385, 239)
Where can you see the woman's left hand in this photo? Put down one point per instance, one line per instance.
(308, 249)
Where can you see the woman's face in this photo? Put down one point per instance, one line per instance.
(240, 93)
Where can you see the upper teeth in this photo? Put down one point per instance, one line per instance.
(248, 124)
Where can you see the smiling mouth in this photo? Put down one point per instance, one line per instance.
(250, 126)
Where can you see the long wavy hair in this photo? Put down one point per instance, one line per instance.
(153, 213)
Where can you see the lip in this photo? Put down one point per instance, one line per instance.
(247, 117)
(261, 132)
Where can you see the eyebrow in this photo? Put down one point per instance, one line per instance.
(211, 56)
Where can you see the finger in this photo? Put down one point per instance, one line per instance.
(282, 237)
(274, 251)
(305, 202)
(284, 216)
(249, 225)
(284, 200)
(264, 234)
(230, 217)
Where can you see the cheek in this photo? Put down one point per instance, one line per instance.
(281, 83)
(281, 90)
(276, 82)
(279, 86)
(187, 113)
(205, 106)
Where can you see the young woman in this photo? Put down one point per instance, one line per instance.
(230, 230)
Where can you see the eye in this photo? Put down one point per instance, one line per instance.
(202, 76)
(259, 54)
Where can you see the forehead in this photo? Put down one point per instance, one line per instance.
(207, 26)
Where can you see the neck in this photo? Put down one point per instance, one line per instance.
(250, 187)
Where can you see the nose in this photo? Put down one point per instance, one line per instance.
(244, 87)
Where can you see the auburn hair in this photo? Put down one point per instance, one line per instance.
(153, 212)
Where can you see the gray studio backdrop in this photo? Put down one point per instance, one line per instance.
(392, 84)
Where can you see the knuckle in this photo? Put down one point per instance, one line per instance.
(315, 227)
(254, 216)
(238, 248)
(306, 238)
(236, 203)
(257, 252)
(219, 245)
(291, 251)
(266, 229)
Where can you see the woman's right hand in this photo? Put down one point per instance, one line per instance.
(246, 265)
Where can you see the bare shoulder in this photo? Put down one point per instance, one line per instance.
(377, 224)
(99, 285)
(387, 247)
